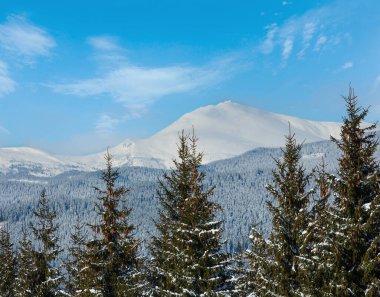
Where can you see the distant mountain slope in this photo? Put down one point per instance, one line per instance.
(225, 130)
(14, 160)
(240, 189)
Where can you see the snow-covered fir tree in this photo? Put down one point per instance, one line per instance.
(26, 279)
(276, 262)
(187, 253)
(76, 263)
(45, 231)
(258, 276)
(238, 273)
(315, 254)
(113, 264)
(356, 232)
(7, 264)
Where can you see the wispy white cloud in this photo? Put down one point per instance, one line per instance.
(7, 85)
(22, 38)
(287, 48)
(137, 87)
(347, 65)
(104, 42)
(307, 36)
(107, 51)
(295, 32)
(106, 123)
(310, 31)
(269, 42)
(285, 3)
(320, 42)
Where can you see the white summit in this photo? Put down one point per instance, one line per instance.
(225, 130)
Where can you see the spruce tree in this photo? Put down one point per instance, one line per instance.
(277, 261)
(258, 274)
(45, 257)
(7, 264)
(356, 207)
(187, 252)
(112, 253)
(238, 273)
(26, 279)
(76, 264)
(316, 251)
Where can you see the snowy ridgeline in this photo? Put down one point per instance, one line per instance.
(240, 189)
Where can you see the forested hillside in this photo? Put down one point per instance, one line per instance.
(240, 189)
(302, 220)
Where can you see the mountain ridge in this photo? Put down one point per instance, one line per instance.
(225, 130)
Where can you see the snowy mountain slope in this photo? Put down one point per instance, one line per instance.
(240, 190)
(225, 130)
(36, 162)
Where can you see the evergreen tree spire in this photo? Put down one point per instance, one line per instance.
(7, 264)
(26, 279)
(45, 233)
(316, 251)
(112, 254)
(239, 273)
(258, 275)
(357, 207)
(277, 261)
(187, 255)
(76, 262)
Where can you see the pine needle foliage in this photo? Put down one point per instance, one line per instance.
(239, 273)
(26, 280)
(258, 274)
(277, 260)
(356, 207)
(8, 264)
(45, 230)
(76, 263)
(112, 253)
(316, 252)
(187, 253)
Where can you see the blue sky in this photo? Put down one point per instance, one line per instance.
(78, 76)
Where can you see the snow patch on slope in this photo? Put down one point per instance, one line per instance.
(36, 162)
(225, 130)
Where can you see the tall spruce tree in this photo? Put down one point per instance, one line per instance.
(277, 261)
(238, 273)
(26, 279)
(7, 264)
(316, 252)
(258, 275)
(356, 234)
(76, 264)
(187, 253)
(45, 230)
(112, 254)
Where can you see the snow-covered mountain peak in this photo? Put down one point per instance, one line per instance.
(225, 130)
(229, 129)
(36, 162)
(9, 154)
